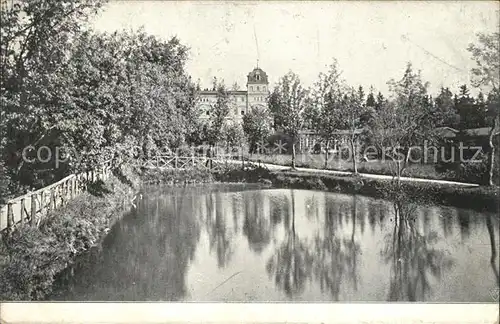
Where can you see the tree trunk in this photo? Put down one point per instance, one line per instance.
(327, 144)
(354, 161)
(293, 154)
(491, 156)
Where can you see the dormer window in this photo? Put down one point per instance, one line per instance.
(257, 77)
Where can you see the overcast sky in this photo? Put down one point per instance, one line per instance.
(372, 41)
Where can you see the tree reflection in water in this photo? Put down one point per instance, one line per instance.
(256, 226)
(335, 259)
(491, 233)
(329, 260)
(291, 263)
(219, 235)
(118, 267)
(412, 257)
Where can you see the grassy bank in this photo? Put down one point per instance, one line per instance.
(32, 256)
(224, 173)
(478, 198)
(473, 173)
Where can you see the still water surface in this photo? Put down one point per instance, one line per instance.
(240, 243)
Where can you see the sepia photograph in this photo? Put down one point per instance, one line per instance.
(245, 155)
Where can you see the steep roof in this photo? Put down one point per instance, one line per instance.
(257, 76)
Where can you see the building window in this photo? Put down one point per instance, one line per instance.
(258, 88)
(258, 78)
(264, 88)
(242, 112)
(208, 112)
(251, 88)
(242, 98)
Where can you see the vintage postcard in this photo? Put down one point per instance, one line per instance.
(249, 161)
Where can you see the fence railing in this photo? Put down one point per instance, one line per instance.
(187, 162)
(34, 206)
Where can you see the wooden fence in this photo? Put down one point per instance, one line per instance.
(188, 162)
(34, 206)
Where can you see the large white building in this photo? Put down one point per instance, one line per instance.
(241, 100)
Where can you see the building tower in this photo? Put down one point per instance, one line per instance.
(257, 88)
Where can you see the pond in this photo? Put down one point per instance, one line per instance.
(240, 243)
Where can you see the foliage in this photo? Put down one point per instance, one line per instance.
(408, 119)
(217, 120)
(325, 109)
(445, 105)
(96, 95)
(257, 125)
(353, 112)
(486, 54)
(157, 176)
(233, 136)
(287, 104)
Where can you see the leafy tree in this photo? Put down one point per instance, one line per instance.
(325, 108)
(406, 120)
(36, 38)
(98, 95)
(257, 126)
(486, 54)
(219, 113)
(353, 120)
(287, 103)
(234, 137)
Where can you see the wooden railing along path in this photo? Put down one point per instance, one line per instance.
(34, 206)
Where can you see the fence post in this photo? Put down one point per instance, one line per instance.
(10, 216)
(42, 202)
(33, 209)
(22, 210)
(53, 198)
(70, 188)
(64, 193)
(60, 191)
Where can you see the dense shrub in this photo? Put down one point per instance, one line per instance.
(170, 176)
(4, 184)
